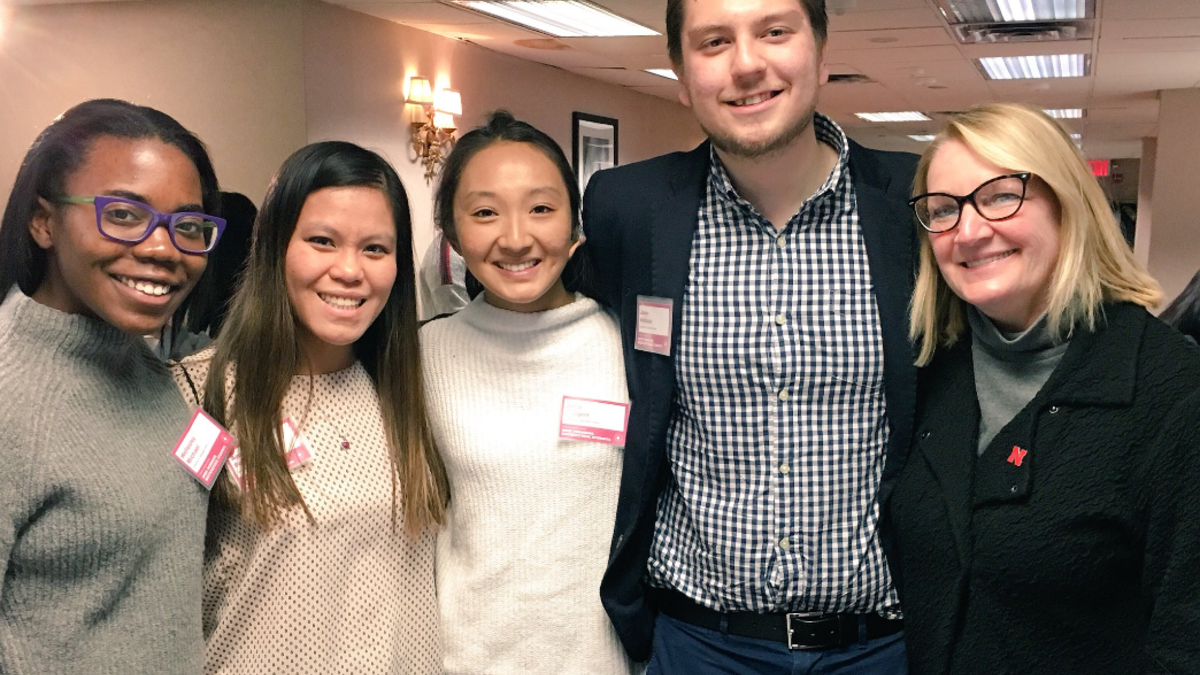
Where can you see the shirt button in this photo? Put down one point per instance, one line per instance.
(781, 241)
(781, 319)
(785, 543)
(784, 468)
(784, 395)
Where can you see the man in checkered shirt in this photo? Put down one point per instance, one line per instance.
(762, 283)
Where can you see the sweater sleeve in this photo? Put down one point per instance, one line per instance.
(1171, 573)
(15, 512)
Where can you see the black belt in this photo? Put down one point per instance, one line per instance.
(798, 630)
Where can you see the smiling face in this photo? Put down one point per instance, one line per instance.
(133, 287)
(512, 215)
(1003, 268)
(751, 72)
(339, 268)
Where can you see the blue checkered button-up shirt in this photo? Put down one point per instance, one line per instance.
(779, 428)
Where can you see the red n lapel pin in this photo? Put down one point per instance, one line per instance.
(1017, 456)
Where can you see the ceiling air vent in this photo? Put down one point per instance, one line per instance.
(1030, 31)
(848, 78)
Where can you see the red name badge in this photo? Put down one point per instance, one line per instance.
(585, 419)
(203, 447)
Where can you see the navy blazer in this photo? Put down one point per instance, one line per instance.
(639, 220)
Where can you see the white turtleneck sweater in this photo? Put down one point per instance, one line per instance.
(531, 515)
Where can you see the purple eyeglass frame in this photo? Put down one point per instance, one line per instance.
(156, 218)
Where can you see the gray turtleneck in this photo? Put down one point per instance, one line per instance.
(1010, 369)
(101, 530)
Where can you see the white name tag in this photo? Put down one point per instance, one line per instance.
(653, 325)
(586, 419)
(203, 448)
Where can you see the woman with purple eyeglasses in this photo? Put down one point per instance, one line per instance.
(101, 529)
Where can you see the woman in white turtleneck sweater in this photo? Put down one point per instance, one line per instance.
(530, 520)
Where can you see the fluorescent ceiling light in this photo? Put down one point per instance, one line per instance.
(560, 18)
(1065, 113)
(909, 116)
(1076, 137)
(1016, 11)
(663, 72)
(922, 138)
(1034, 67)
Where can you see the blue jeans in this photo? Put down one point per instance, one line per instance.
(680, 648)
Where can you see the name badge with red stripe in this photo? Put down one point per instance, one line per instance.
(203, 448)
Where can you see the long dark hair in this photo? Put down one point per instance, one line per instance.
(58, 152)
(1183, 313)
(502, 126)
(260, 340)
(210, 301)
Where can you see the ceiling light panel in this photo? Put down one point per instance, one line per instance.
(922, 138)
(1065, 113)
(663, 72)
(560, 18)
(1035, 67)
(908, 116)
(1016, 11)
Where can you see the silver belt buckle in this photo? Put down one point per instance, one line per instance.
(795, 619)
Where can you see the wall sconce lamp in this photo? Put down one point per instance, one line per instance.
(433, 130)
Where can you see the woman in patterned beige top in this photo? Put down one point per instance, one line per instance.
(320, 547)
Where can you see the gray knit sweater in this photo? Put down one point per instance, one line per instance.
(101, 530)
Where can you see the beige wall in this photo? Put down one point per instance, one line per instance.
(201, 61)
(356, 67)
(256, 80)
(1145, 200)
(1174, 250)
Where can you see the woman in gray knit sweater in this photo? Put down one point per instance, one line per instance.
(101, 530)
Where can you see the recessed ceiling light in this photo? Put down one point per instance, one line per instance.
(1076, 137)
(1034, 67)
(663, 72)
(922, 138)
(1065, 113)
(1013, 11)
(560, 18)
(908, 116)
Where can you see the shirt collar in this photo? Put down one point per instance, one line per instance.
(827, 131)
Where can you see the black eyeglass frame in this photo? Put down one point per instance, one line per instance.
(156, 218)
(1024, 177)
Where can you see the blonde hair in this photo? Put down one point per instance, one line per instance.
(1095, 264)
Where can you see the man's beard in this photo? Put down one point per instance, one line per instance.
(741, 149)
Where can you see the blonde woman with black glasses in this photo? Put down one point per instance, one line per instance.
(1047, 518)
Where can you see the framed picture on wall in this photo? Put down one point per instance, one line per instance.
(594, 145)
